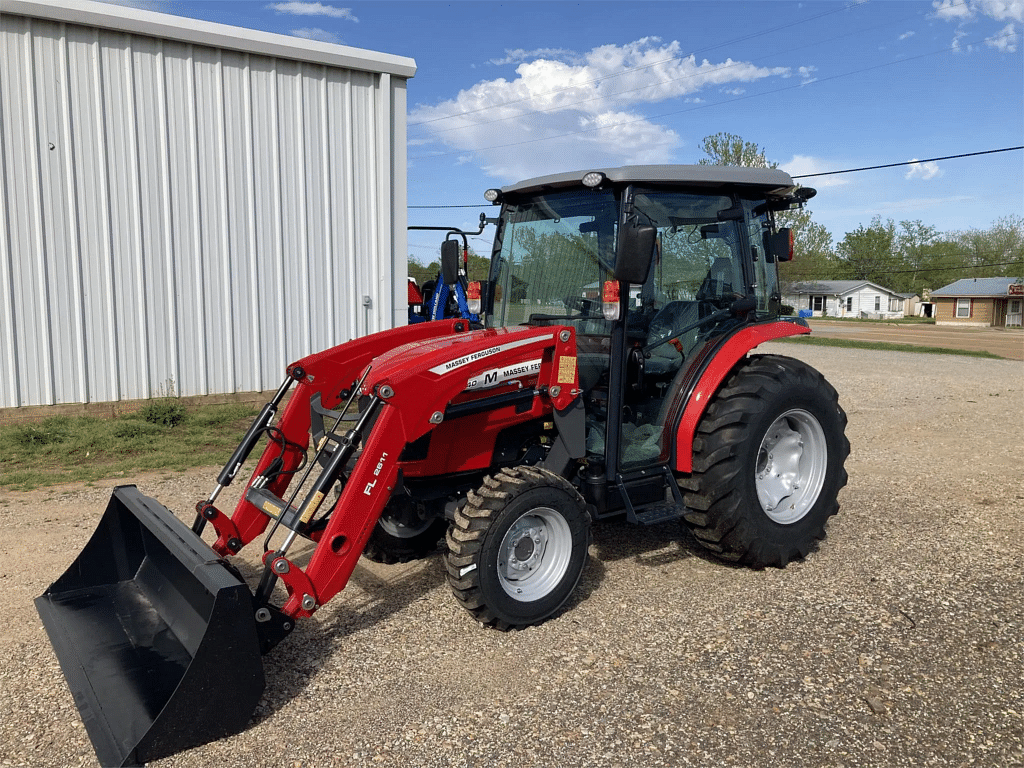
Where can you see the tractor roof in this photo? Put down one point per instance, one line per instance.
(768, 180)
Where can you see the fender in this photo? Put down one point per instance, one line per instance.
(711, 379)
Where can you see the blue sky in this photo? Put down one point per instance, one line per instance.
(510, 90)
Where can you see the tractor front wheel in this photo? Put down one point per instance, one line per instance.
(768, 462)
(517, 548)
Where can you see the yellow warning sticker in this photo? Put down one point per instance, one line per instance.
(566, 369)
(271, 509)
(313, 506)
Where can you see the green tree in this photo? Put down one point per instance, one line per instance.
(869, 253)
(730, 149)
(915, 244)
(996, 251)
(813, 253)
(479, 268)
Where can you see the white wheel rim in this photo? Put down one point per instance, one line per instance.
(534, 554)
(791, 465)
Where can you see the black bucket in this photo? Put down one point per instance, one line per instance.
(155, 635)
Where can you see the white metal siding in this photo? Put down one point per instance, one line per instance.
(185, 216)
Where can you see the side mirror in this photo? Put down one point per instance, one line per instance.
(450, 262)
(779, 245)
(634, 252)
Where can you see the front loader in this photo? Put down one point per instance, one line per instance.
(607, 376)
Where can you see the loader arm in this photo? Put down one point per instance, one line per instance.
(410, 388)
(330, 373)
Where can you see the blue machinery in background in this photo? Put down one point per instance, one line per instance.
(446, 298)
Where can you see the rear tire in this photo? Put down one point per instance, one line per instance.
(517, 549)
(768, 461)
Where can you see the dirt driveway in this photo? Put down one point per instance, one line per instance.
(1005, 342)
(897, 644)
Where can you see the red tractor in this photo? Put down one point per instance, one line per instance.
(609, 378)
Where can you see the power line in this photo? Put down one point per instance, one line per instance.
(482, 205)
(824, 173)
(908, 162)
(956, 268)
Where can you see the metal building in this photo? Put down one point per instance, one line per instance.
(186, 207)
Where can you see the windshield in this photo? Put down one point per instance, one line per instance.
(556, 252)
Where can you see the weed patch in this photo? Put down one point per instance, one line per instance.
(163, 435)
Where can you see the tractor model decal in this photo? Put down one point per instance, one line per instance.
(451, 365)
(497, 376)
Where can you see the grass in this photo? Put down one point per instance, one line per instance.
(883, 346)
(163, 435)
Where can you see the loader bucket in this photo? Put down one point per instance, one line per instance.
(155, 635)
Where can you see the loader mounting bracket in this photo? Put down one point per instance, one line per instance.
(272, 626)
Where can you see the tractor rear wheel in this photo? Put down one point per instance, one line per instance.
(405, 531)
(517, 548)
(768, 461)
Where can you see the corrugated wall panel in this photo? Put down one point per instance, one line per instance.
(186, 218)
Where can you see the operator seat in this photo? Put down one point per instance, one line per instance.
(717, 286)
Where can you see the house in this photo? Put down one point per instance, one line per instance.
(844, 298)
(980, 302)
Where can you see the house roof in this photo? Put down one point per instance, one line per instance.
(978, 286)
(833, 287)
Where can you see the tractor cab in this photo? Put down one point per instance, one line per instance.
(654, 269)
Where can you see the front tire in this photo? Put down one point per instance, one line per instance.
(517, 549)
(768, 463)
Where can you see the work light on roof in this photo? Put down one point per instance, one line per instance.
(593, 179)
(492, 195)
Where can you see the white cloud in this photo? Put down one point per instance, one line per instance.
(582, 112)
(315, 33)
(1005, 41)
(806, 75)
(313, 9)
(957, 48)
(802, 165)
(519, 55)
(1001, 9)
(951, 10)
(965, 11)
(906, 35)
(923, 171)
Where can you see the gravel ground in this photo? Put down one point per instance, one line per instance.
(897, 643)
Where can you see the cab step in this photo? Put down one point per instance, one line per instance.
(665, 512)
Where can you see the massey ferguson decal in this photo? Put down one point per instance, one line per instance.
(496, 376)
(451, 365)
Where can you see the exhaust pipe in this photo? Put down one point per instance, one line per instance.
(155, 634)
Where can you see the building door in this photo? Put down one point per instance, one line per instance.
(1014, 312)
